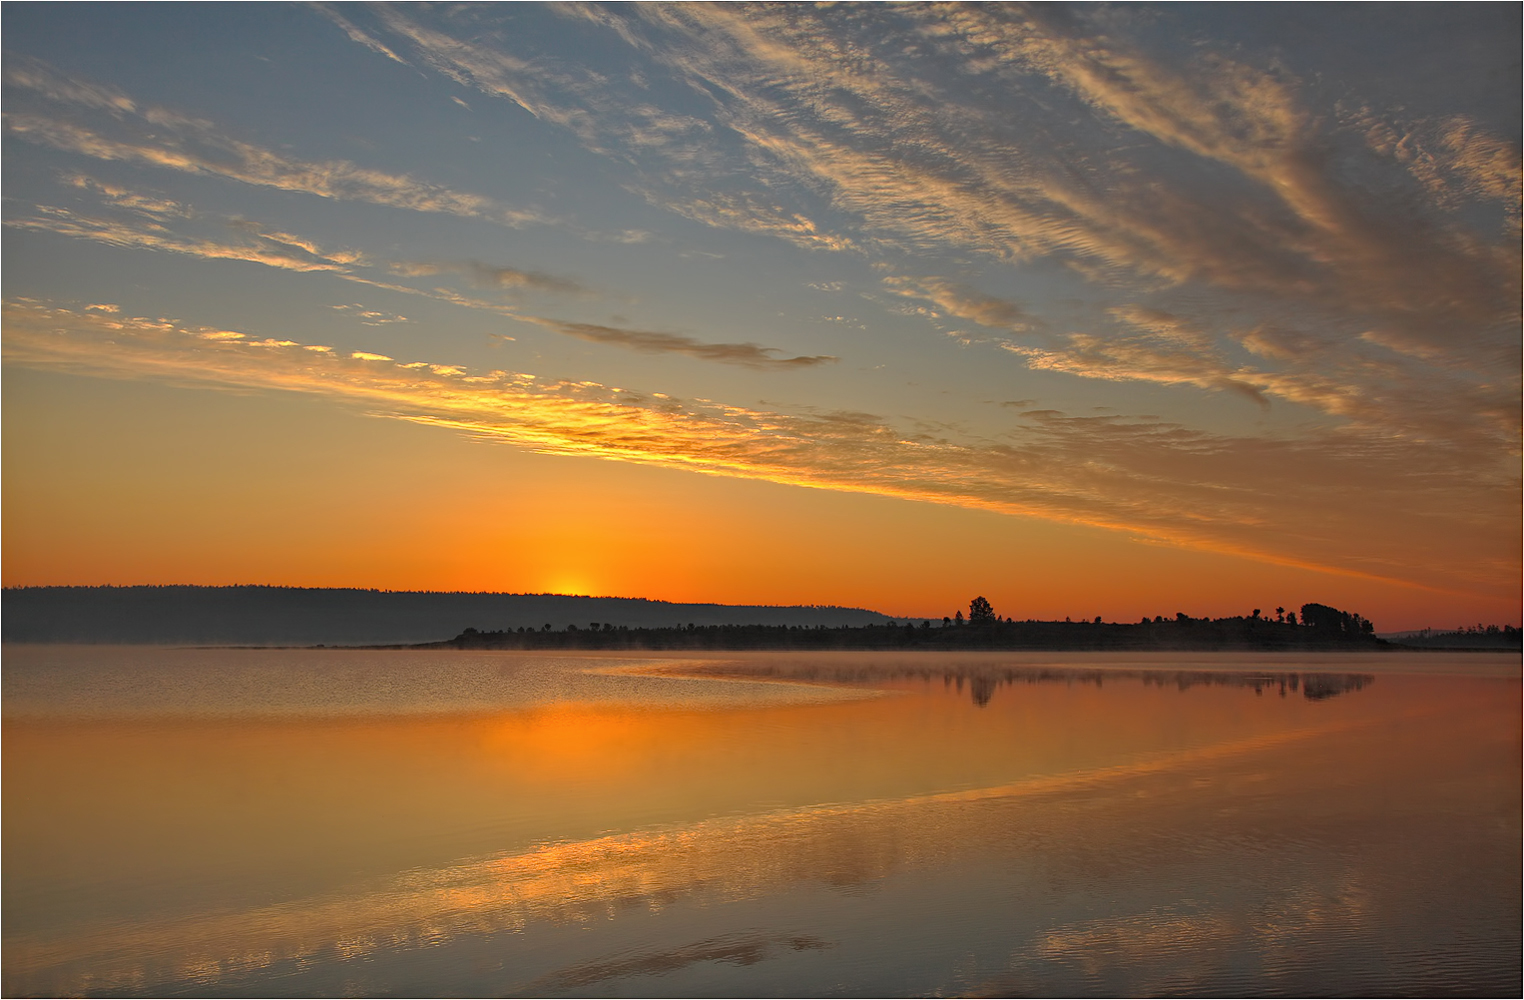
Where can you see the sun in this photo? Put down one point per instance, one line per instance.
(572, 584)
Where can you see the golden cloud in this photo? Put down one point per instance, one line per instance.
(1268, 499)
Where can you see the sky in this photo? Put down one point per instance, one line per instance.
(1093, 310)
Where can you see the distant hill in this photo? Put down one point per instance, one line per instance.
(298, 616)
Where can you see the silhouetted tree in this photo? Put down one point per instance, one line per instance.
(980, 612)
(1322, 617)
(1332, 620)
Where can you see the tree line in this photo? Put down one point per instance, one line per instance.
(1317, 627)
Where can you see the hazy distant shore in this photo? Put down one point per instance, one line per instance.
(309, 616)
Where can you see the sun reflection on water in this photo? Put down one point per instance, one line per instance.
(1221, 819)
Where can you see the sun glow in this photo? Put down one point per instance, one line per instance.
(571, 585)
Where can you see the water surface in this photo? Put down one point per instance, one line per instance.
(325, 822)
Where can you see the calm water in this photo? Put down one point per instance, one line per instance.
(268, 822)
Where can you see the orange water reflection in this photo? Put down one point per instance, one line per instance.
(189, 850)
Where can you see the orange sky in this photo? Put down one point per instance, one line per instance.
(880, 305)
(109, 488)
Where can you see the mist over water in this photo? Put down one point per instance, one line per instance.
(324, 822)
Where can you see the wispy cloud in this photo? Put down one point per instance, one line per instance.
(1284, 501)
(371, 317)
(355, 34)
(166, 139)
(493, 276)
(152, 206)
(1408, 389)
(959, 300)
(1015, 131)
(262, 245)
(1159, 347)
(1215, 189)
(277, 250)
(657, 342)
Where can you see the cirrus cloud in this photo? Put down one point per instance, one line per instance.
(1424, 522)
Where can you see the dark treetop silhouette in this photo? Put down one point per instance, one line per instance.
(1321, 628)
